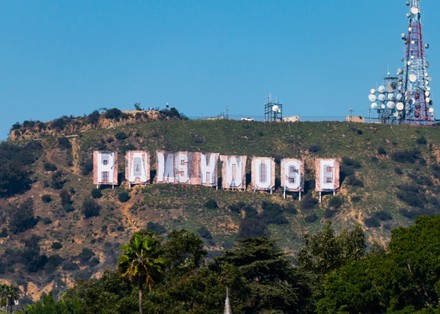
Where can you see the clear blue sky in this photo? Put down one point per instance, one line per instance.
(319, 58)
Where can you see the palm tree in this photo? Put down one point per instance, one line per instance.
(140, 261)
(7, 296)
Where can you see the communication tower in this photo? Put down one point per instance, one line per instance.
(273, 111)
(405, 98)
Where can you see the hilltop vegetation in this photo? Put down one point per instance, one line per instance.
(56, 228)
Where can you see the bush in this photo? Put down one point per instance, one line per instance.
(3, 233)
(290, 209)
(65, 198)
(90, 208)
(398, 171)
(120, 136)
(422, 140)
(204, 233)
(49, 166)
(53, 262)
(85, 255)
(123, 196)
(155, 227)
(87, 167)
(46, 198)
(56, 246)
(336, 202)
(237, 207)
(64, 143)
(308, 202)
(210, 204)
(93, 118)
(328, 213)
(381, 151)
(47, 220)
(381, 215)
(372, 222)
(314, 148)
(15, 175)
(408, 156)
(114, 114)
(311, 218)
(273, 213)
(58, 180)
(353, 181)
(96, 193)
(22, 218)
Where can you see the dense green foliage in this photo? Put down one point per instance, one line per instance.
(407, 278)
(334, 274)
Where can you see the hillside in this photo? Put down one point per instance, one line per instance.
(53, 232)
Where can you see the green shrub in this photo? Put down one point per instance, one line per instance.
(422, 140)
(237, 207)
(311, 218)
(85, 255)
(123, 196)
(120, 136)
(58, 180)
(96, 193)
(49, 166)
(90, 208)
(407, 156)
(46, 198)
(155, 227)
(336, 202)
(23, 218)
(211, 204)
(372, 222)
(4, 233)
(381, 151)
(64, 143)
(314, 148)
(56, 245)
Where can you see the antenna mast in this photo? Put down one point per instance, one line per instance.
(406, 98)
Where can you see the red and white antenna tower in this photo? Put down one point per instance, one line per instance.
(406, 97)
(416, 79)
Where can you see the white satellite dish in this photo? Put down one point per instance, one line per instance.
(374, 105)
(400, 106)
(428, 88)
(409, 29)
(390, 96)
(412, 42)
(381, 97)
(396, 114)
(399, 96)
(415, 10)
(428, 99)
(391, 105)
(372, 97)
(431, 110)
(412, 78)
(275, 108)
(372, 91)
(399, 71)
(381, 89)
(427, 94)
(409, 63)
(383, 106)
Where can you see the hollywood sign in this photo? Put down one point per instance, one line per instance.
(197, 168)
